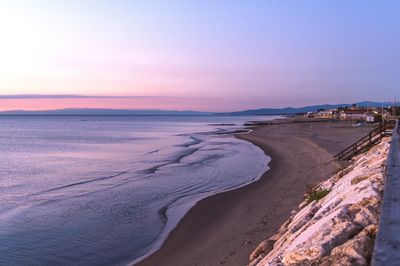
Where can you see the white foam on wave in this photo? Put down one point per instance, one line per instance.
(177, 210)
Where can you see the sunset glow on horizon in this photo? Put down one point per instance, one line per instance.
(206, 56)
(133, 103)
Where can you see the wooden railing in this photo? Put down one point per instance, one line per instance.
(373, 138)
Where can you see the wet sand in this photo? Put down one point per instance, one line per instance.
(225, 228)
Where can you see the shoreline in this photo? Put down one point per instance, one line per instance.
(170, 226)
(157, 245)
(233, 222)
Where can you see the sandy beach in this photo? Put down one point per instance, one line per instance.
(225, 228)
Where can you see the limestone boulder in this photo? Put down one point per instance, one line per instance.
(360, 248)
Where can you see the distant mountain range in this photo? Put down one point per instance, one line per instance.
(305, 109)
(121, 112)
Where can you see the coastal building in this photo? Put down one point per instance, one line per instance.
(370, 119)
(309, 115)
(355, 114)
(326, 114)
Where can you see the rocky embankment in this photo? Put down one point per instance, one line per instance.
(337, 222)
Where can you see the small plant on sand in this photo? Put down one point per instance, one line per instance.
(315, 193)
(371, 234)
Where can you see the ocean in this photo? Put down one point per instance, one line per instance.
(107, 190)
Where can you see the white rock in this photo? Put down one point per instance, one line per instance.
(322, 232)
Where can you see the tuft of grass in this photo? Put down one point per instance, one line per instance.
(371, 234)
(314, 193)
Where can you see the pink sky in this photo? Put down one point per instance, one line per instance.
(198, 55)
(164, 103)
(128, 103)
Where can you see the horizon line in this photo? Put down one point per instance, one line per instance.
(77, 96)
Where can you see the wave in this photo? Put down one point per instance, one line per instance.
(77, 183)
(149, 171)
(194, 141)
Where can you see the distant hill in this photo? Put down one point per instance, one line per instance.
(121, 112)
(89, 111)
(305, 109)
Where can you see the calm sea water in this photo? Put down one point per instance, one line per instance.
(108, 190)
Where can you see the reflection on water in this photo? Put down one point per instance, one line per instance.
(104, 190)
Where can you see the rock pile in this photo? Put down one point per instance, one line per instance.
(338, 228)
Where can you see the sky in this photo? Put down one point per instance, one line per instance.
(197, 55)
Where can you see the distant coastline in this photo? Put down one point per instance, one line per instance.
(156, 112)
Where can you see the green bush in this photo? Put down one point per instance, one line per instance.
(315, 193)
